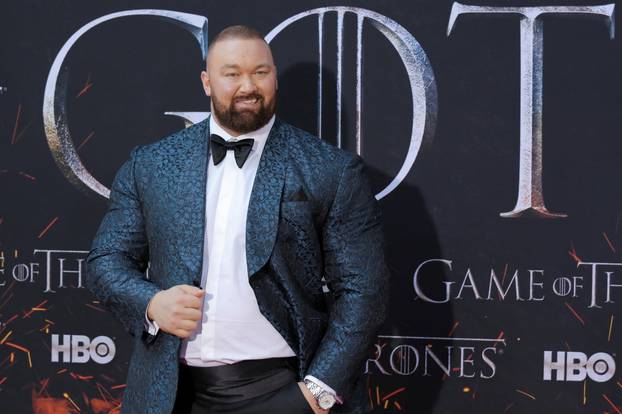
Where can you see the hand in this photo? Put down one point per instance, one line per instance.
(311, 399)
(177, 310)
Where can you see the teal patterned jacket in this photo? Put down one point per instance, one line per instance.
(311, 215)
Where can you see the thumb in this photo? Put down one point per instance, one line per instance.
(199, 293)
(192, 290)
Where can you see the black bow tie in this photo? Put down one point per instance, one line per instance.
(240, 148)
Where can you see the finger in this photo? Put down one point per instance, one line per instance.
(187, 325)
(191, 290)
(190, 314)
(182, 333)
(190, 301)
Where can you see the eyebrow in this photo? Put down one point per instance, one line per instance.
(234, 66)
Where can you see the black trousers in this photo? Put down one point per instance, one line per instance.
(264, 386)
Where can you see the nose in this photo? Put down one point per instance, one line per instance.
(247, 85)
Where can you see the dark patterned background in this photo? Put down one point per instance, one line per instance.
(124, 74)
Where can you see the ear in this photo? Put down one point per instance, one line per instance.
(206, 84)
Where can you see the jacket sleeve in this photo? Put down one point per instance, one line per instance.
(355, 269)
(119, 255)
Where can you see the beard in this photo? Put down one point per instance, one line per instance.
(245, 120)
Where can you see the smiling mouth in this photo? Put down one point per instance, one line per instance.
(247, 101)
(251, 101)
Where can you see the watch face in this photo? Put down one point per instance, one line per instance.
(325, 400)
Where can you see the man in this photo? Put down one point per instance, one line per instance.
(239, 218)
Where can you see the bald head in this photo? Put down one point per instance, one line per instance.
(237, 32)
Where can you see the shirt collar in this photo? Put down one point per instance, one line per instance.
(259, 135)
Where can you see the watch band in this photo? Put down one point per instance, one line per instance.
(324, 399)
(315, 389)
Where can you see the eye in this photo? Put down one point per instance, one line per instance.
(231, 74)
(261, 72)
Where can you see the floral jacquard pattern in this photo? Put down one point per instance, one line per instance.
(311, 216)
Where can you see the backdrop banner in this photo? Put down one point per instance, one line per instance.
(490, 129)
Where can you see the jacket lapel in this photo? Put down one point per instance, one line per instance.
(192, 188)
(263, 208)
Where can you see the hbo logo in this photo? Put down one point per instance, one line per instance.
(575, 366)
(80, 349)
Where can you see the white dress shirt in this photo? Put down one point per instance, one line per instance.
(232, 329)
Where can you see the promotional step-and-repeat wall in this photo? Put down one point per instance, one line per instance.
(491, 129)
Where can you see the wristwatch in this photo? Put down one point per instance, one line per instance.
(325, 400)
